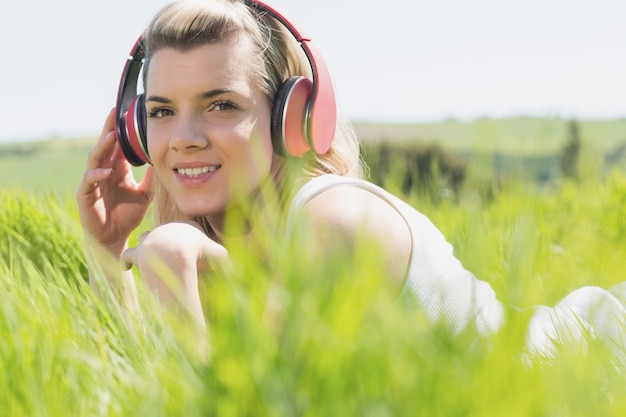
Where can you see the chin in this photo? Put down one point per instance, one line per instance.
(195, 210)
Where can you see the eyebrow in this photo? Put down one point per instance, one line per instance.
(206, 95)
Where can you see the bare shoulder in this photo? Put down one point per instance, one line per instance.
(349, 205)
(351, 212)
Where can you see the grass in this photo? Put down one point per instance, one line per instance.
(340, 348)
(54, 165)
(300, 344)
(41, 166)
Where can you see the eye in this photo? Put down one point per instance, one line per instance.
(160, 112)
(224, 105)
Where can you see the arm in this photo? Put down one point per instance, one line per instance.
(111, 205)
(437, 281)
(347, 214)
(169, 260)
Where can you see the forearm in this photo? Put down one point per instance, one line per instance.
(106, 275)
(173, 279)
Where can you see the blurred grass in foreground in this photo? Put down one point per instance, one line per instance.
(318, 340)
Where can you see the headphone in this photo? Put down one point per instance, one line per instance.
(304, 111)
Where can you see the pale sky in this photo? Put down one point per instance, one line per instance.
(400, 61)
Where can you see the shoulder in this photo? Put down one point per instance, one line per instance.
(331, 198)
(346, 203)
(352, 209)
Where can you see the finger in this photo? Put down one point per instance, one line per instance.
(100, 155)
(145, 186)
(104, 146)
(109, 123)
(89, 184)
(128, 259)
(117, 153)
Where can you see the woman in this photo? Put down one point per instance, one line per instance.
(218, 126)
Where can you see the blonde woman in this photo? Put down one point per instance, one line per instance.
(239, 124)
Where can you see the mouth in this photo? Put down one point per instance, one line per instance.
(198, 171)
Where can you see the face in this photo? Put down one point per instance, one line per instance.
(208, 127)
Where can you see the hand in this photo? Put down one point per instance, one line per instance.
(111, 203)
(169, 260)
(180, 245)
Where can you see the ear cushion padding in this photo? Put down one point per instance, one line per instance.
(142, 128)
(122, 123)
(289, 116)
(135, 122)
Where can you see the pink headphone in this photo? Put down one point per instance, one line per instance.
(304, 112)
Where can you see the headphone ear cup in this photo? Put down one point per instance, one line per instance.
(135, 123)
(289, 117)
(123, 137)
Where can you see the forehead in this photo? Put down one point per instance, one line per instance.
(215, 60)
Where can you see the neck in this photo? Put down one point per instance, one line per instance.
(263, 206)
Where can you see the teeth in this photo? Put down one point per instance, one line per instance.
(196, 172)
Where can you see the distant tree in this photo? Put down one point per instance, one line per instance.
(570, 154)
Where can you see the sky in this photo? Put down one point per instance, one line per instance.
(391, 61)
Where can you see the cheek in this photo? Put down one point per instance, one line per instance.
(263, 132)
(263, 150)
(155, 143)
(259, 154)
(259, 142)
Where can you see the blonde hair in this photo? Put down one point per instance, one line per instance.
(186, 24)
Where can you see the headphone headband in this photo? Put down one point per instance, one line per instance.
(304, 115)
(321, 114)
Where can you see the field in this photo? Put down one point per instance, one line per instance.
(518, 220)
(522, 140)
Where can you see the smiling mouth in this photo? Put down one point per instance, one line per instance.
(196, 172)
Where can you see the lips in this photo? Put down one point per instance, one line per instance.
(197, 171)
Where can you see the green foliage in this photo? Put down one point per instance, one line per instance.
(328, 339)
(520, 136)
(438, 159)
(33, 227)
(415, 168)
(571, 151)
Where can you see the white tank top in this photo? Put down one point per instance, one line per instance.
(436, 280)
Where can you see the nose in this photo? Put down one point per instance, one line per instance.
(188, 135)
